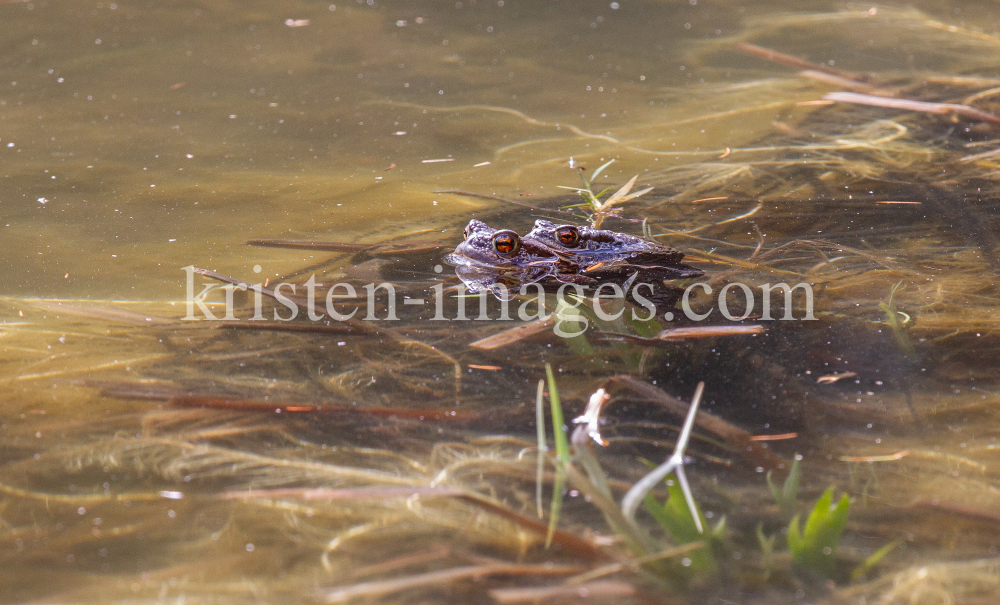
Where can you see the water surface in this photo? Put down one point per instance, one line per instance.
(140, 138)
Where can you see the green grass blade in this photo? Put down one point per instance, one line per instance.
(598, 172)
(562, 454)
(542, 446)
(790, 491)
(674, 515)
(862, 570)
(562, 443)
(795, 542)
(675, 518)
(594, 486)
(787, 496)
(558, 486)
(773, 488)
(597, 196)
(819, 516)
(766, 550)
(899, 332)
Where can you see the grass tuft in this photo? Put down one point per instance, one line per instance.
(813, 547)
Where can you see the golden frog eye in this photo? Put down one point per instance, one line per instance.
(506, 243)
(568, 235)
(465, 234)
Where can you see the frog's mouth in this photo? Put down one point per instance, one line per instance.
(456, 259)
(465, 255)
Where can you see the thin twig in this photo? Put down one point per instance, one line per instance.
(922, 106)
(773, 55)
(731, 434)
(636, 563)
(538, 594)
(444, 576)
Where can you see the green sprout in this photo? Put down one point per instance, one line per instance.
(892, 318)
(787, 496)
(813, 547)
(766, 550)
(674, 464)
(593, 200)
(873, 559)
(679, 521)
(602, 210)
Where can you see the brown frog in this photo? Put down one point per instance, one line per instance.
(604, 255)
(501, 249)
(552, 255)
(501, 261)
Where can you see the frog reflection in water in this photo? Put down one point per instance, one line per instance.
(552, 255)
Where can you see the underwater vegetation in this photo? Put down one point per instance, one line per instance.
(839, 453)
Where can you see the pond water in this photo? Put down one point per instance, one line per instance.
(148, 458)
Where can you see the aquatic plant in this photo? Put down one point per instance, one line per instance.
(680, 522)
(562, 454)
(675, 465)
(813, 546)
(766, 551)
(787, 495)
(872, 560)
(892, 318)
(602, 210)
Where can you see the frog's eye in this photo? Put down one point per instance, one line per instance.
(568, 235)
(465, 234)
(506, 243)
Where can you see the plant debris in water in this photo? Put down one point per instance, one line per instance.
(395, 462)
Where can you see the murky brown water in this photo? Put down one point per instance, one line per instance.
(141, 458)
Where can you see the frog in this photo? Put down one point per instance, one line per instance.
(485, 246)
(602, 254)
(501, 261)
(552, 255)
